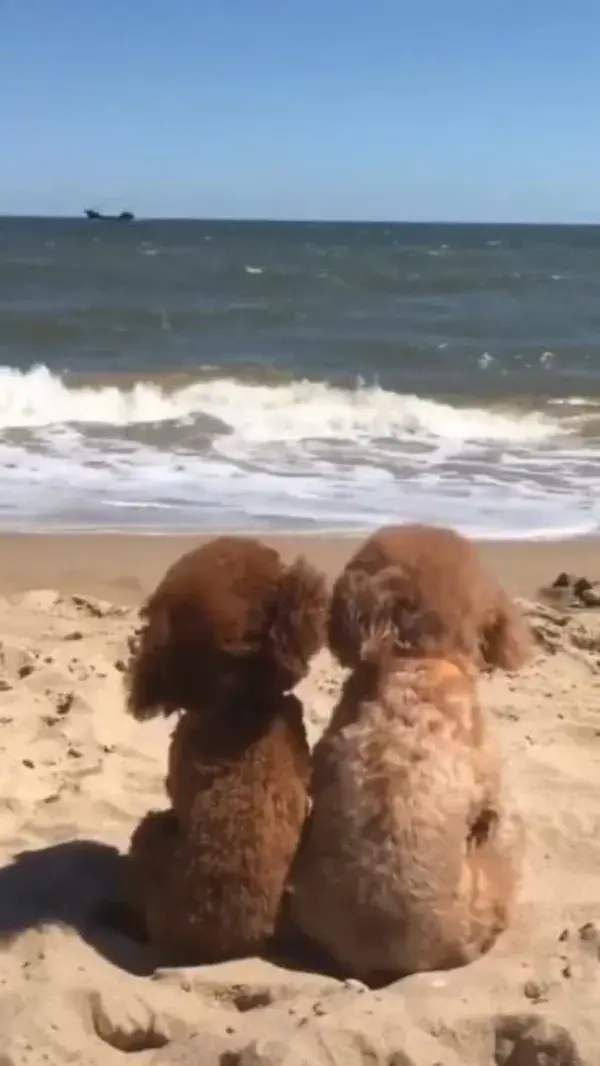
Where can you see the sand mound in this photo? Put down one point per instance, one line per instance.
(77, 773)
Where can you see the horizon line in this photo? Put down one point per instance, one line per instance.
(247, 220)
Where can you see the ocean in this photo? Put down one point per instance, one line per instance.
(195, 376)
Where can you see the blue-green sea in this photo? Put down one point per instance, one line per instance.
(189, 375)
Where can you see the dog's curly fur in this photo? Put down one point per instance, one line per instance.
(225, 615)
(227, 633)
(410, 856)
(404, 570)
(208, 875)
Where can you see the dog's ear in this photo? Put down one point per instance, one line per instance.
(388, 617)
(506, 640)
(376, 615)
(297, 620)
(370, 615)
(146, 689)
(353, 606)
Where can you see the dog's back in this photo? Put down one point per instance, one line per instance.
(384, 880)
(210, 874)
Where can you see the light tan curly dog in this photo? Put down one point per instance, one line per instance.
(227, 633)
(408, 567)
(411, 856)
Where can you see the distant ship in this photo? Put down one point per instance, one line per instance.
(98, 216)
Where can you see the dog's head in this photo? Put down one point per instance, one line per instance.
(382, 614)
(228, 615)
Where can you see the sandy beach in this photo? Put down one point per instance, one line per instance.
(125, 567)
(77, 774)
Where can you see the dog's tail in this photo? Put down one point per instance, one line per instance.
(374, 616)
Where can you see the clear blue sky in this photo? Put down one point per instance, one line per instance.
(383, 109)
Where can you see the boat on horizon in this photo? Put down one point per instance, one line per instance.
(98, 216)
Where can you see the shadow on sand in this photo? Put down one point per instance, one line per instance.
(71, 884)
(78, 884)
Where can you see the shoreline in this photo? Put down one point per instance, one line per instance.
(328, 532)
(124, 567)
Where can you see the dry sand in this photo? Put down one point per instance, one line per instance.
(77, 773)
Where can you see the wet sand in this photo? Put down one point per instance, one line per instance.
(126, 567)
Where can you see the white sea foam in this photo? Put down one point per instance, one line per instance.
(220, 453)
(574, 401)
(260, 412)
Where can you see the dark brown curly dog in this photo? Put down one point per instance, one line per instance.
(227, 633)
(404, 570)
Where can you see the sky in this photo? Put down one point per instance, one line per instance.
(472, 110)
